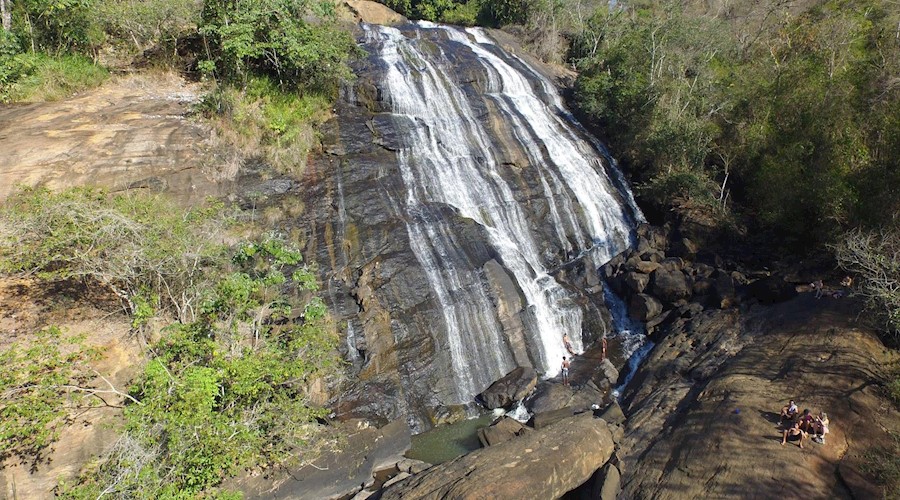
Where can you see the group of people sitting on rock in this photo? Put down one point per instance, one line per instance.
(801, 425)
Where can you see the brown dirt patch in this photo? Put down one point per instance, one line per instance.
(26, 306)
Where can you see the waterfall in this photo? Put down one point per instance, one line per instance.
(448, 157)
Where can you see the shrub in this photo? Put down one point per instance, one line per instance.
(57, 26)
(39, 77)
(884, 463)
(148, 23)
(228, 390)
(131, 245)
(265, 120)
(874, 257)
(40, 384)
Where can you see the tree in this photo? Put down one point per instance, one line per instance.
(6, 14)
(294, 41)
(874, 257)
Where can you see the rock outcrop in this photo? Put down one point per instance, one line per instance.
(703, 408)
(513, 387)
(132, 133)
(367, 449)
(541, 464)
(434, 311)
(373, 13)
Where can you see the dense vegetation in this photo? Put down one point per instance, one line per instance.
(228, 384)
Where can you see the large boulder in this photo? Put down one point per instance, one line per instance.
(605, 484)
(669, 284)
(501, 431)
(637, 282)
(644, 307)
(642, 266)
(543, 464)
(549, 397)
(513, 387)
(684, 248)
(605, 375)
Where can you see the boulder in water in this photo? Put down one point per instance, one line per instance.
(513, 387)
(501, 431)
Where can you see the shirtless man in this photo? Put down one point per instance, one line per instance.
(565, 370)
(568, 343)
(794, 433)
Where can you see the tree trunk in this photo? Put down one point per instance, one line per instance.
(6, 14)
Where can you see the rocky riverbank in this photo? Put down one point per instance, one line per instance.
(700, 417)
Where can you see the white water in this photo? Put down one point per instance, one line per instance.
(448, 157)
(635, 346)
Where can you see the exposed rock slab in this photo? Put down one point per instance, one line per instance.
(131, 133)
(374, 13)
(542, 464)
(703, 411)
(335, 475)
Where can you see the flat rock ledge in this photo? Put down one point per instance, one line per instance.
(541, 464)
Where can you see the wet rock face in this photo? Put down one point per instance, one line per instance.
(368, 239)
(513, 387)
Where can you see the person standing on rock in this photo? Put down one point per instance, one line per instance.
(603, 348)
(821, 427)
(565, 371)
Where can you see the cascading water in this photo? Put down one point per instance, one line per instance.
(448, 157)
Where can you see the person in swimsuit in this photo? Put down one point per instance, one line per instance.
(568, 343)
(807, 421)
(794, 433)
(565, 370)
(789, 412)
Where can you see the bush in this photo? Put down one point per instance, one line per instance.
(57, 26)
(149, 23)
(267, 121)
(884, 463)
(40, 77)
(40, 384)
(130, 245)
(229, 390)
